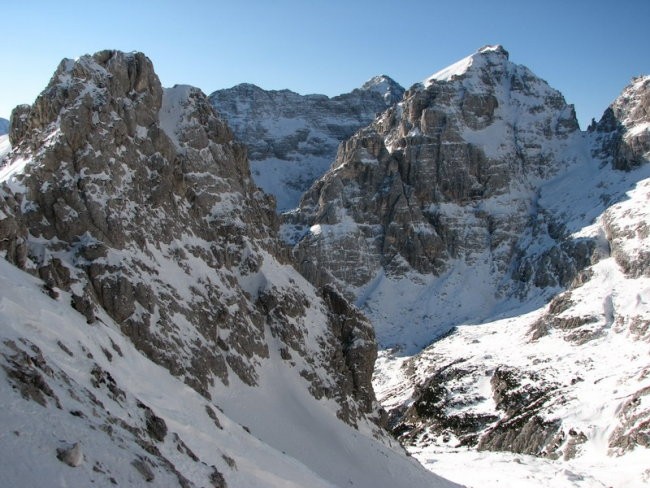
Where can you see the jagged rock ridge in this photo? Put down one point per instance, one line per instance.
(291, 138)
(134, 204)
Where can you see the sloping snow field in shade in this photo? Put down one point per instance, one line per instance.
(277, 434)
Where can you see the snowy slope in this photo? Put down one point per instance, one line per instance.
(558, 391)
(51, 344)
(5, 146)
(92, 386)
(590, 363)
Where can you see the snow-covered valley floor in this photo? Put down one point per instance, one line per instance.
(591, 383)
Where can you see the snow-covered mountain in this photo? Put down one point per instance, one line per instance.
(440, 191)
(452, 220)
(4, 126)
(153, 328)
(292, 139)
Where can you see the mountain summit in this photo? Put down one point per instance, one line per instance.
(493, 54)
(440, 188)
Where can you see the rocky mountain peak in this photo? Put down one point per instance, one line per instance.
(136, 209)
(489, 56)
(388, 88)
(494, 48)
(452, 169)
(85, 84)
(137, 198)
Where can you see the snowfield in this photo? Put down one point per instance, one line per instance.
(95, 389)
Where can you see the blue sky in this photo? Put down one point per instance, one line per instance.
(589, 50)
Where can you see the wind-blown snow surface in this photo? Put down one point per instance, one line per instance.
(246, 440)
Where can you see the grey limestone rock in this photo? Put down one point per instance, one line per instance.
(139, 202)
(72, 456)
(633, 430)
(623, 133)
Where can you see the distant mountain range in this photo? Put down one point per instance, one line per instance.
(292, 139)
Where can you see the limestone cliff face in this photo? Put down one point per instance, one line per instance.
(623, 140)
(138, 202)
(292, 139)
(449, 173)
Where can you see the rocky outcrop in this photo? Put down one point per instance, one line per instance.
(139, 203)
(634, 428)
(292, 139)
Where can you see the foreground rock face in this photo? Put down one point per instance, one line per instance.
(292, 139)
(135, 206)
(138, 201)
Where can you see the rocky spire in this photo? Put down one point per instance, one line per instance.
(623, 131)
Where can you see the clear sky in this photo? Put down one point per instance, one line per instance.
(589, 50)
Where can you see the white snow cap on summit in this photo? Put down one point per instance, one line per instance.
(385, 86)
(460, 67)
